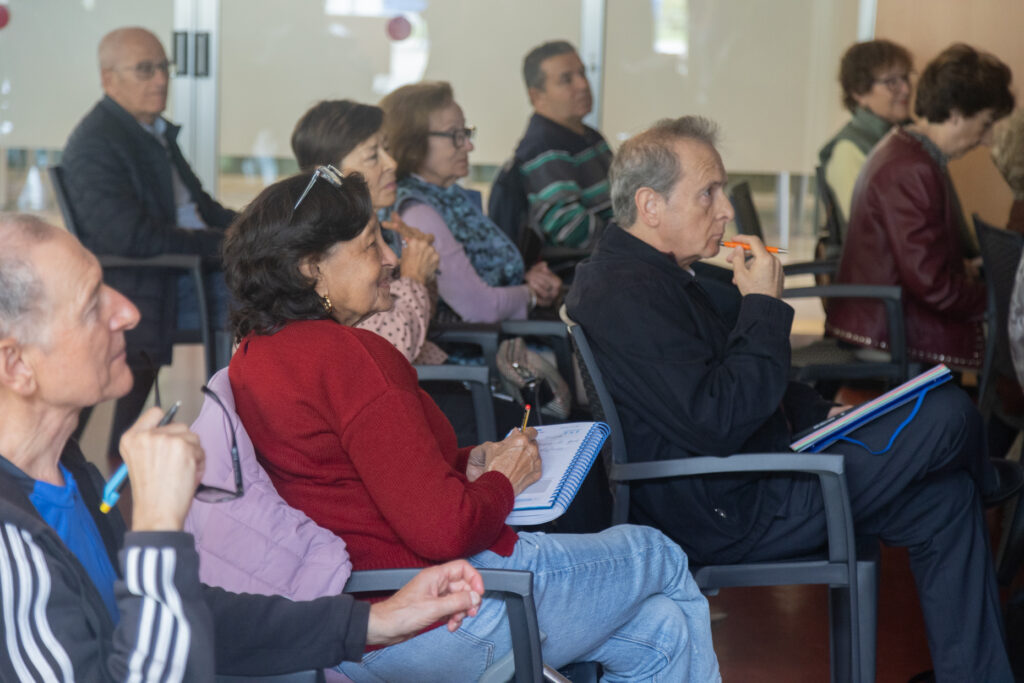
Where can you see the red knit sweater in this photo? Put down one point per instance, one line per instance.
(348, 437)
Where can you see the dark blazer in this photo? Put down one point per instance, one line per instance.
(687, 382)
(118, 179)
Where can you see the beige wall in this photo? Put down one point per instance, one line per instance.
(926, 27)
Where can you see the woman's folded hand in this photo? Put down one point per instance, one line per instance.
(518, 458)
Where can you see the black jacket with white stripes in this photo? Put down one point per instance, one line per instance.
(54, 626)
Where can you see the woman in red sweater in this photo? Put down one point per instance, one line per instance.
(345, 433)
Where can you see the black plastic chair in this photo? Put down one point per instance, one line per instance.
(747, 220)
(830, 244)
(849, 567)
(185, 263)
(1001, 252)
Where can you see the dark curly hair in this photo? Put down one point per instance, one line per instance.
(267, 243)
(862, 62)
(966, 80)
(331, 129)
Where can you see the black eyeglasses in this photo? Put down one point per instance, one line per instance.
(204, 493)
(213, 494)
(328, 173)
(893, 83)
(459, 136)
(146, 70)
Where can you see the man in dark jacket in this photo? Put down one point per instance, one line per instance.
(687, 383)
(133, 194)
(82, 598)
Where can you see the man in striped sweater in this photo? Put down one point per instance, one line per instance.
(563, 163)
(81, 598)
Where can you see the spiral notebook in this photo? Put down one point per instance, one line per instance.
(824, 434)
(566, 453)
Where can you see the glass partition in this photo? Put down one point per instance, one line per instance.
(275, 64)
(49, 79)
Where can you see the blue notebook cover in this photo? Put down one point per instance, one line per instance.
(567, 452)
(824, 434)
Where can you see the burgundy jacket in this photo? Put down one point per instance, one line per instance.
(904, 231)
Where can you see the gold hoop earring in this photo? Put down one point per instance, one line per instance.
(325, 301)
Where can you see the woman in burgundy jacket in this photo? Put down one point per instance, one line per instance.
(906, 224)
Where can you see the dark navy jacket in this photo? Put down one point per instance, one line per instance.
(687, 383)
(118, 179)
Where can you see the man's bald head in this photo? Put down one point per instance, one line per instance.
(22, 295)
(134, 72)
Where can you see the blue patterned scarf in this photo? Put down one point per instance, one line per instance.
(494, 257)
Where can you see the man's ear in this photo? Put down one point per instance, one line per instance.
(535, 95)
(16, 374)
(649, 205)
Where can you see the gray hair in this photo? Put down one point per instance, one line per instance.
(533, 75)
(648, 160)
(22, 295)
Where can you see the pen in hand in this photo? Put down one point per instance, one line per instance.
(526, 417)
(112, 491)
(772, 250)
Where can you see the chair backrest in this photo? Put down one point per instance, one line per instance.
(603, 408)
(257, 543)
(507, 205)
(747, 220)
(835, 226)
(1000, 253)
(56, 173)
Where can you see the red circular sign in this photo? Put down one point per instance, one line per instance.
(399, 28)
(5, 15)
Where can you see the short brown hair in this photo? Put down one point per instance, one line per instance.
(331, 129)
(861, 63)
(407, 121)
(966, 80)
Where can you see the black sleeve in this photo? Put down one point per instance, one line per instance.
(112, 218)
(264, 635)
(804, 406)
(692, 393)
(53, 631)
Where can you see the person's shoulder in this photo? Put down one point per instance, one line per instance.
(900, 158)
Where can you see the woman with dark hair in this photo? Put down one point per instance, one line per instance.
(347, 436)
(875, 77)
(906, 225)
(483, 276)
(348, 135)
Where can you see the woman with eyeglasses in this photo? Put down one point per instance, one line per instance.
(875, 77)
(348, 437)
(348, 135)
(907, 227)
(483, 278)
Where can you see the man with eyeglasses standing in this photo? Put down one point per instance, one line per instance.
(557, 181)
(133, 194)
(85, 599)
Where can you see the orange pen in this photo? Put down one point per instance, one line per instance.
(773, 250)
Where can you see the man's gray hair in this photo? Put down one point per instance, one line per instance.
(22, 297)
(533, 75)
(648, 159)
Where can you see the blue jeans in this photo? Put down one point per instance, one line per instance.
(623, 597)
(218, 304)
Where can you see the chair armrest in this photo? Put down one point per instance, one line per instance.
(811, 267)
(174, 261)
(535, 328)
(482, 335)
(479, 380)
(828, 468)
(517, 586)
(890, 296)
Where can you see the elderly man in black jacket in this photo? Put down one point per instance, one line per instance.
(687, 382)
(83, 599)
(133, 194)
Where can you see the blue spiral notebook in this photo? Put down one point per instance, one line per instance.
(567, 452)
